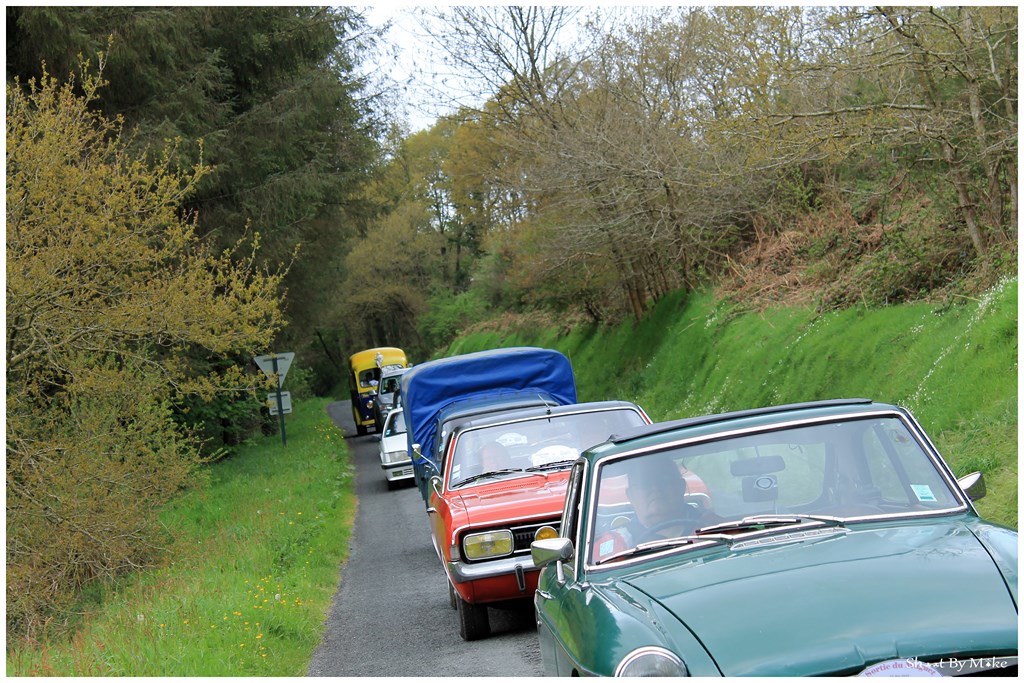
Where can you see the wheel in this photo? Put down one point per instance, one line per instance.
(360, 430)
(473, 623)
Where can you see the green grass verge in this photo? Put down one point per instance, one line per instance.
(953, 366)
(255, 565)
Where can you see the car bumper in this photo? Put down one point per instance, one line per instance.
(398, 472)
(506, 578)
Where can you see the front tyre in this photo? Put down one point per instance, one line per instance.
(473, 623)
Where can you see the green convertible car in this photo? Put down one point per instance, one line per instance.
(826, 538)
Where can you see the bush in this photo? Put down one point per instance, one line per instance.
(110, 297)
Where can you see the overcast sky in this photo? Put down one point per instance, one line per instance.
(409, 59)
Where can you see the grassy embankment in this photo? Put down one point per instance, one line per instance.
(953, 366)
(255, 566)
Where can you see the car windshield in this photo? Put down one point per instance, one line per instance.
(395, 424)
(536, 445)
(366, 377)
(389, 385)
(822, 473)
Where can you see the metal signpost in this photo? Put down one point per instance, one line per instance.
(275, 366)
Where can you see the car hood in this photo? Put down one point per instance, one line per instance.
(841, 601)
(521, 498)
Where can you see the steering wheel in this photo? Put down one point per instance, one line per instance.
(649, 535)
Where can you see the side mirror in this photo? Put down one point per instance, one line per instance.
(416, 454)
(548, 550)
(973, 485)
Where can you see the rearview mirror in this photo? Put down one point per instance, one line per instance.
(549, 550)
(973, 485)
(765, 464)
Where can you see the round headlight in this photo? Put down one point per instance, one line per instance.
(545, 532)
(651, 661)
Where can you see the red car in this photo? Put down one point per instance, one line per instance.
(500, 486)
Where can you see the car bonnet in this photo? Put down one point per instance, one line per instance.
(838, 603)
(515, 498)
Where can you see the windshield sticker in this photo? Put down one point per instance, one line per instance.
(923, 493)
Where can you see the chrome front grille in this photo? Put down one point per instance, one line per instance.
(523, 535)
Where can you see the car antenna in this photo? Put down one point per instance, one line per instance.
(547, 405)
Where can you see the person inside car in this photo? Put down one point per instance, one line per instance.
(656, 490)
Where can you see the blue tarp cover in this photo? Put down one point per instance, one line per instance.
(428, 388)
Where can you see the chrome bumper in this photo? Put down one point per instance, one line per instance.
(462, 572)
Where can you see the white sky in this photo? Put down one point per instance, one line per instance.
(409, 59)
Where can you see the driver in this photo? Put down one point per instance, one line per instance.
(493, 457)
(656, 490)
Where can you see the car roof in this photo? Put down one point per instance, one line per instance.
(392, 371)
(515, 415)
(660, 432)
(488, 405)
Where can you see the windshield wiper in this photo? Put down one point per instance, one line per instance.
(654, 546)
(767, 521)
(560, 464)
(492, 473)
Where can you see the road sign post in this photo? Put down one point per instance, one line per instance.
(275, 366)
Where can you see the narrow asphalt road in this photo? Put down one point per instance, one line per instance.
(391, 615)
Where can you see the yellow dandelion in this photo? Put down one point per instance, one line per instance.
(258, 636)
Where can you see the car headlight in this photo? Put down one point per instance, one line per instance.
(651, 661)
(392, 457)
(487, 544)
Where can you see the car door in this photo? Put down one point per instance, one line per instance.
(551, 598)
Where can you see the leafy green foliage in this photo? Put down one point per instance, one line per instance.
(108, 291)
(288, 129)
(447, 315)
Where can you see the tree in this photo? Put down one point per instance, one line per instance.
(938, 86)
(108, 291)
(289, 129)
(514, 51)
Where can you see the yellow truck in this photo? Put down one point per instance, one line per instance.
(364, 375)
